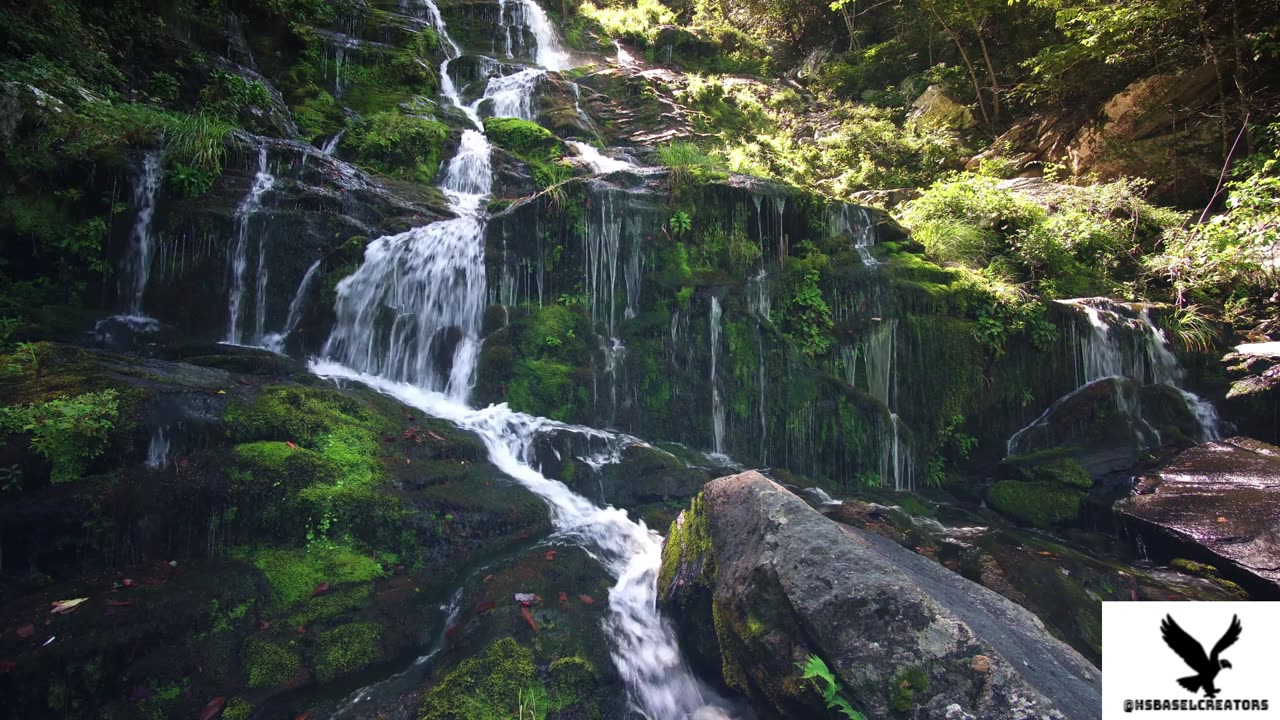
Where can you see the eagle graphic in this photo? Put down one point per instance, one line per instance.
(1192, 653)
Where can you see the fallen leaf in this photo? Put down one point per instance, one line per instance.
(7, 666)
(305, 716)
(587, 599)
(551, 554)
(213, 708)
(433, 434)
(119, 603)
(528, 617)
(263, 625)
(1221, 519)
(290, 444)
(321, 589)
(63, 607)
(563, 598)
(127, 582)
(487, 578)
(26, 631)
(302, 629)
(485, 607)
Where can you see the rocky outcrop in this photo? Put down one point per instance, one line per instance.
(1216, 503)
(1254, 397)
(933, 107)
(1153, 128)
(779, 583)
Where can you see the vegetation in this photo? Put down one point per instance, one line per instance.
(815, 668)
(67, 432)
(406, 146)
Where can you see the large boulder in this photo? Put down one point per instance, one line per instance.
(1217, 503)
(769, 582)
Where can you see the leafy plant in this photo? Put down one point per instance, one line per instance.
(1192, 327)
(681, 223)
(815, 668)
(191, 180)
(68, 432)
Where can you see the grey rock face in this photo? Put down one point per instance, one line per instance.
(901, 634)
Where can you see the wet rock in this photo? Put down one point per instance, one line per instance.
(1254, 398)
(783, 582)
(1217, 503)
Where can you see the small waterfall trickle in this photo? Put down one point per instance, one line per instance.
(717, 405)
(146, 187)
(1112, 341)
(598, 161)
(249, 206)
(877, 352)
(331, 145)
(275, 341)
(856, 222)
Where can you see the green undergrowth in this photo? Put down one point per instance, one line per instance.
(405, 146)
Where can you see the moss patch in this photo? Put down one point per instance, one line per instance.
(486, 687)
(527, 140)
(345, 649)
(1037, 503)
(267, 663)
(404, 146)
(688, 538)
(294, 574)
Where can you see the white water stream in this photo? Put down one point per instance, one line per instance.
(408, 324)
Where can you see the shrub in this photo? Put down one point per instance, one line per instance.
(68, 432)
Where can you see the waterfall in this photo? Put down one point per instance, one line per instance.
(856, 222)
(275, 341)
(146, 186)
(408, 324)
(331, 145)
(1114, 341)
(598, 161)
(717, 406)
(249, 206)
(549, 53)
(877, 353)
(412, 312)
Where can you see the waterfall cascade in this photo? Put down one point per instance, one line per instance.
(263, 181)
(146, 186)
(717, 404)
(1114, 341)
(408, 324)
(877, 353)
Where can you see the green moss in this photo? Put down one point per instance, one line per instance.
(486, 687)
(237, 708)
(1046, 468)
(406, 146)
(345, 649)
(572, 681)
(905, 684)
(294, 574)
(1193, 567)
(526, 140)
(1037, 503)
(298, 414)
(267, 663)
(688, 540)
(330, 605)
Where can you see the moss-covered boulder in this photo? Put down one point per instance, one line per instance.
(791, 585)
(1042, 490)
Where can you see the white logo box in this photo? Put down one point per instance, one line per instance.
(1139, 667)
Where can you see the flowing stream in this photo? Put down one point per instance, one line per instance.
(408, 324)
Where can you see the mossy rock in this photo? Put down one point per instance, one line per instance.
(485, 687)
(345, 649)
(237, 708)
(1041, 504)
(1048, 468)
(405, 146)
(527, 140)
(268, 663)
(294, 574)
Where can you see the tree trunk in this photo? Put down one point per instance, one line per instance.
(986, 56)
(973, 73)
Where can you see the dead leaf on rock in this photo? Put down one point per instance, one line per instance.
(62, 607)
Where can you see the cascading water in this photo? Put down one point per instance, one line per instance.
(421, 292)
(275, 341)
(249, 206)
(877, 355)
(1113, 341)
(856, 222)
(717, 405)
(413, 310)
(146, 186)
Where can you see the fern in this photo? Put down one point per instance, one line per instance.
(815, 668)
